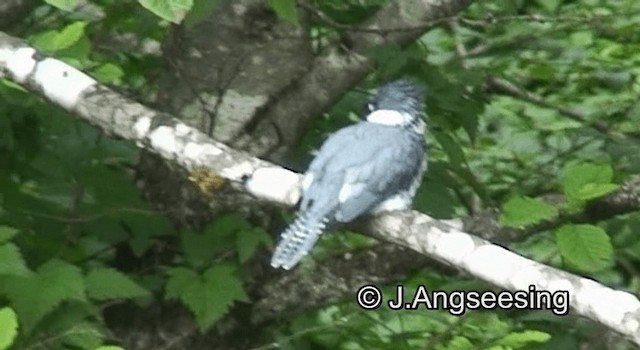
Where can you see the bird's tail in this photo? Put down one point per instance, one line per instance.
(296, 241)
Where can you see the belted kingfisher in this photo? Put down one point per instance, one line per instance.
(372, 166)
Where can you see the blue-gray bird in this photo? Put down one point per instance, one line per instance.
(372, 166)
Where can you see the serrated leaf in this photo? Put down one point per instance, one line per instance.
(584, 247)
(7, 232)
(249, 240)
(83, 335)
(518, 340)
(523, 211)
(285, 9)
(229, 286)
(171, 10)
(67, 5)
(198, 247)
(204, 304)
(108, 283)
(35, 296)
(11, 262)
(583, 181)
(63, 278)
(208, 296)
(179, 279)
(8, 327)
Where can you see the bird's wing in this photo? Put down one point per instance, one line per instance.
(358, 167)
(392, 171)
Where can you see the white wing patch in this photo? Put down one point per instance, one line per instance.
(400, 201)
(389, 117)
(306, 181)
(349, 190)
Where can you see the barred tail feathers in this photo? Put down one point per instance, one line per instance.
(296, 241)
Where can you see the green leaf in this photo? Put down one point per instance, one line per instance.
(83, 335)
(66, 5)
(35, 296)
(594, 190)
(584, 247)
(459, 343)
(208, 296)
(179, 279)
(451, 148)
(518, 340)
(108, 73)
(69, 35)
(584, 181)
(11, 262)
(390, 59)
(582, 39)
(249, 240)
(200, 10)
(550, 5)
(108, 283)
(53, 41)
(8, 327)
(171, 10)
(227, 224)
(523, 211)
(6, 233)
(198, 247)
(285, 9)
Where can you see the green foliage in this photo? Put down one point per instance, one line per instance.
(58, 40)
(67, 5)
(70, 211)
(249, 240)
(107, 283)
(285, 9)
(523, 211)
(584, 181)
(584, 247)
(6, 233)
(171, 10)
(11, 262)
(518, 340)
(36, 295)
(8, 327)
(209, 295)
(200, 10)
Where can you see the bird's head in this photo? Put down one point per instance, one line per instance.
(398, 103)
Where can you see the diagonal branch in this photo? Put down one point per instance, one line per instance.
(339, 68)
(171, 139)
(506, 87)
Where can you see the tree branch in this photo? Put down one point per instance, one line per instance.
(506, 87)
(339, 68)
(171, 139)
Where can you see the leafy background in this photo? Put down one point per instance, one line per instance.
(75, 233)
